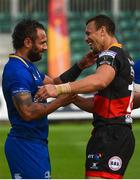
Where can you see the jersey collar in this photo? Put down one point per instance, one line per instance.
(116, 45)
(19, 58)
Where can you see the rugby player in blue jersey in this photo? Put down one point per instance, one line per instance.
(26, 146)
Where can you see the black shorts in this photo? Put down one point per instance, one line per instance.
(109, 150)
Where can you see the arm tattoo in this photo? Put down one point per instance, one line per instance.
(22, 99)
(31, 110)
(24, 104)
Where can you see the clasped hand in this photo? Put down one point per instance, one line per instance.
(46, 91)
(49, 90)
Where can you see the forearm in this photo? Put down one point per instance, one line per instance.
(30, 110)
(86, 85)
(92, 83)
(89, 84)
(85, 104)
(136, 102)
(69, 76)
(35, 111)
(73, 73)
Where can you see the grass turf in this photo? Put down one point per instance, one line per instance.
(67, 143)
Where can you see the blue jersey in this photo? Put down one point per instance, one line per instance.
(19, 76)
(137, 72)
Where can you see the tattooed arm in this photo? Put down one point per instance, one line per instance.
(30, 110)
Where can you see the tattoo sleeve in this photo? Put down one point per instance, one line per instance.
(30, 110)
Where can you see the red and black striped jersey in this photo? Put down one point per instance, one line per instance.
(114, 103)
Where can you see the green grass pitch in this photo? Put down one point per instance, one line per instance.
(67, 142)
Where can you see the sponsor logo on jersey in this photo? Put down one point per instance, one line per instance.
(108, 53)
(95, 157)
(17, 176)
(105, 62)
(131, 61)
(47, 175)
(115, 163)
(94, 166)
(128, 119)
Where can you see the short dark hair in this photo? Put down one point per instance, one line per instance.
(25, 28)
(103, 20)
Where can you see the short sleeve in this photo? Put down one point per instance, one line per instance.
(107, 57)
(21, 81)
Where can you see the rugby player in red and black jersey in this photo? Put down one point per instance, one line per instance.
(112, 142)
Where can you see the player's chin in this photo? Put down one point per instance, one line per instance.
(37, 58)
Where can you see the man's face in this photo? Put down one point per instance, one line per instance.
(38, 46)
(94, 37)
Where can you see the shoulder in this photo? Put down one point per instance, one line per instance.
(106, 57)
(15, 70)
(14, 65)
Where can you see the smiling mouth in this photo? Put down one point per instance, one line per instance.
(90, 44)
(92, 47)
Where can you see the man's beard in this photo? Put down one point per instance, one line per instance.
(33, 55)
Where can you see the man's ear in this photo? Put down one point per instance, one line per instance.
(103, 30)
(28, 42)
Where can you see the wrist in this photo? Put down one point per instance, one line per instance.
(81, 65)
(71, 74)
(63, 88)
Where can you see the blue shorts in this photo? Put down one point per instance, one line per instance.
(27, 159)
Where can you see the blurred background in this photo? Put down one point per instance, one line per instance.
(65, 23)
